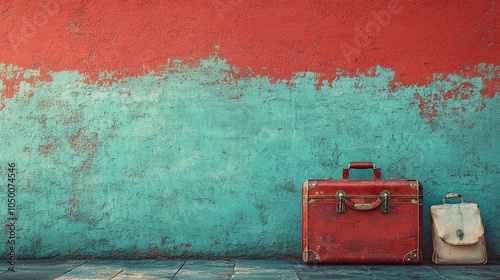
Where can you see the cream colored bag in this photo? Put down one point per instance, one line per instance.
(457, 233)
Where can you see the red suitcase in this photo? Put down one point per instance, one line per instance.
(362, 221)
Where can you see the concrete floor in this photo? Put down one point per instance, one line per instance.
(236, 269)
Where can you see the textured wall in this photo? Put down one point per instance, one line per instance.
(159, 129)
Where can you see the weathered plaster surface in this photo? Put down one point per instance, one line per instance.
(184, 164)
(189, 133)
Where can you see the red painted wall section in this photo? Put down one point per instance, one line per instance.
(416, 39)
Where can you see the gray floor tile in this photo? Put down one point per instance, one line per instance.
(4, 265)
(265, 277)
(397, 272)
(150, 269)
(270, 266)
(239, 270)
(264, 269)
(100, 269)
(495, 264)
(45, 269)
(206, 269)
(305, 271)
(459, 272)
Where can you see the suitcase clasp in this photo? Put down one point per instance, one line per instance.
(385, 196)
(460, 234)
(340, 195)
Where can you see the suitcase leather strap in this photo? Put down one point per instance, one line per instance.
(343, 200)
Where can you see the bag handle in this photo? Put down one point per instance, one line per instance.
(361, 165)
(453, 195)
(344, 200)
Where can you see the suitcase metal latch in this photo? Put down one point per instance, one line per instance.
(385, 196)
(340, 195)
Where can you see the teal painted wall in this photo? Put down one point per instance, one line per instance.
(192, 162)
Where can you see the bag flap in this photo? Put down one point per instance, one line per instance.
(458, 224)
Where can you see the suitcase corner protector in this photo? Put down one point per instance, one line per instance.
(309, 256)
(311, 184)
(414, 256)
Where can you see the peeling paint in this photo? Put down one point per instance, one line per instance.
(223, 184)
(85, 142)
(414, 39)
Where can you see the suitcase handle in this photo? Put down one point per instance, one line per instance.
(453, 195)
(344, 200)
(361, 165)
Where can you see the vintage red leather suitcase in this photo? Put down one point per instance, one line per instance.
(362, 221)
